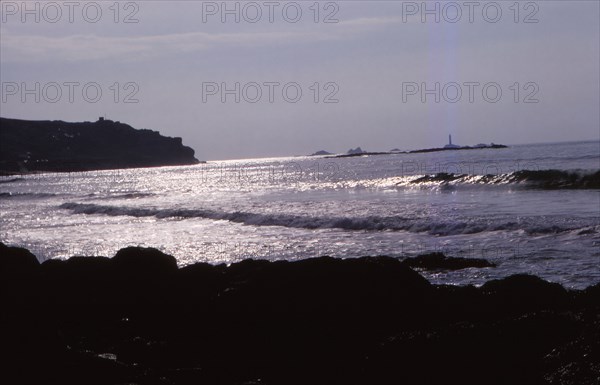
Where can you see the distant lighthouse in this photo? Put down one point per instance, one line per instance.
(450, 145)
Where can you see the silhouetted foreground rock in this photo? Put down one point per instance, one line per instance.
(438, 261)
(136, 318)
(16, 260)
(141, 260)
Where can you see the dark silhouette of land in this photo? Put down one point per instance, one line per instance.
(435, 149)
(31, 146)
(138, 318)
(321, 152)
(458, 148)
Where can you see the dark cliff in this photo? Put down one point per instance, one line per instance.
(27, 146)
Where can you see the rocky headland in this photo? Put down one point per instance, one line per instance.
(56, 146)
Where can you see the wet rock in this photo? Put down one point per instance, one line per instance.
(591, 296)
(16, 261)
(136, 318)
(438, 261)
(522, 292)
(142, 261)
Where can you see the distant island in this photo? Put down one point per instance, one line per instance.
(321, 152)
(477, 147)
(452, 146)
(58, 146)
(355, 151)
(448, 147)
(352, 151)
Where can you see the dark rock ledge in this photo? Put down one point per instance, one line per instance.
(138, 319)
(438, 261)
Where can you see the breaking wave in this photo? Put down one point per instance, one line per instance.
(541, 179)
(8, 195)
(11, 180)
(132, 195)
(369, 223)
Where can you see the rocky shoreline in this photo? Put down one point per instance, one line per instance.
(137, 318)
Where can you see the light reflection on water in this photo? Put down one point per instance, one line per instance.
(291, 208)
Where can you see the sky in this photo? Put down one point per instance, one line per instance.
(268, 78)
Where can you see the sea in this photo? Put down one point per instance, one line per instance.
(531, 209)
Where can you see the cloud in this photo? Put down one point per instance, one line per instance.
(23, 47)
(27, 48)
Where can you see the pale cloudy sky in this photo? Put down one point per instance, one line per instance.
(179, 59)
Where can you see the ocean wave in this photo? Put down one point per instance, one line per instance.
(540, 179)
(132, 195)
(8, 195)
(11, 180)
(369, 223)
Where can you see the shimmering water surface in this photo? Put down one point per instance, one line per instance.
(292, 208)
